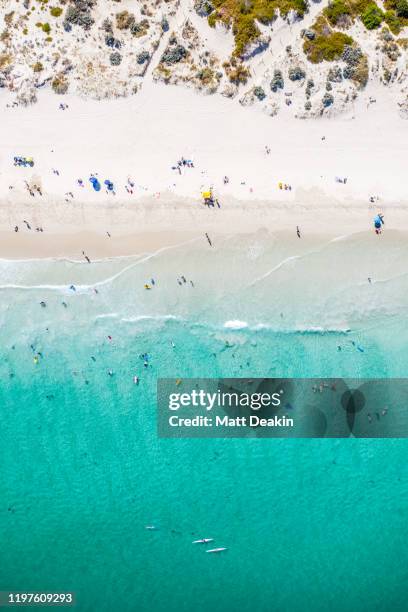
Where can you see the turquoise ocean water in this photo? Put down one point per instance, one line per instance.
(309, 524)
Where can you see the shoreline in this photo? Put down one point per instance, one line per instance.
(139, 230)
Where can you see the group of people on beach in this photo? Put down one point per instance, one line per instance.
(285, 186)
(34, 189)
(183, 163)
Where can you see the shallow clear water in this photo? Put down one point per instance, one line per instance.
(309, 524)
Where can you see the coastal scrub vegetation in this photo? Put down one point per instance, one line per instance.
(259, 93)
(124, 20)
(236, 72)
(372, 16)
(207, 76)
(79, 13)
(277, 81)
(45, 27)
(56, 11)
(174, 53)
(403, 43)
(5, 60)
(241, 16)
(60, 84)
(342, 13)
(327, 44)
(139, 29)
(396, 15)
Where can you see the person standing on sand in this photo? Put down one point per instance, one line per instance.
(378, 223)
(298, 231)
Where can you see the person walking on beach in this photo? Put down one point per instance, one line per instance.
(298, 231)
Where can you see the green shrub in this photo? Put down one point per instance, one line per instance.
(245, 31)
(372, 17)
(212, 19)
(46, 28)
(391, 19)
(242, 16)
(335, 10)
(56, 11)
(402, 8)
(326, 48)
(38, 67)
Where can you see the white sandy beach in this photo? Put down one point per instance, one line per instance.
(142, 137)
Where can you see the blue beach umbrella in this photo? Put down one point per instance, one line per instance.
(95, 183)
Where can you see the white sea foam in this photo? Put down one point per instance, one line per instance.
(235, 324)
(150, 318)
(108, 315)
(85, 288)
